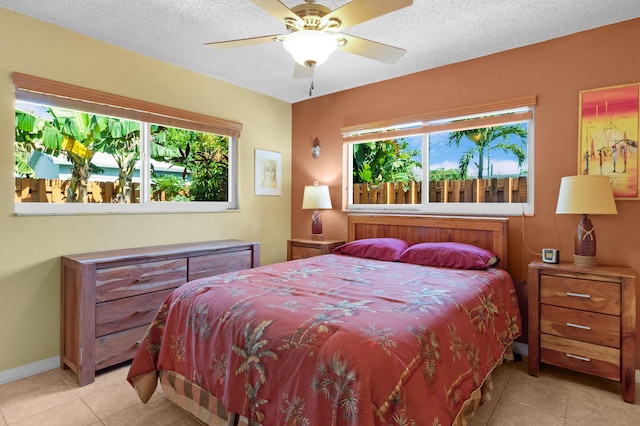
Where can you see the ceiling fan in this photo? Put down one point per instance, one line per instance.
(315, 31)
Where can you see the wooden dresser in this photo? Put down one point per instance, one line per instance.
(299, 249)
(584, 319)
(110, 297)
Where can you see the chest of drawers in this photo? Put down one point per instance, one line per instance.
(110, 297)
(584, 319)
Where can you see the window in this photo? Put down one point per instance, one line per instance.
(479, 162)
(83, 151)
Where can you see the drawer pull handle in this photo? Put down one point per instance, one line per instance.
(581, 358)
(584, 296)
(583, 327)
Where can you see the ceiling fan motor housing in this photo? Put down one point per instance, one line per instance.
(312, 14)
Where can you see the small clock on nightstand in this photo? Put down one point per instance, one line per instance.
(299, 248)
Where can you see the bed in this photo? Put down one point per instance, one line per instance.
(366, 336)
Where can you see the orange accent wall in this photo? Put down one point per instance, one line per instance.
(554, 71)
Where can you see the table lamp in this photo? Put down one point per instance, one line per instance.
(316, 197)
(586, 195)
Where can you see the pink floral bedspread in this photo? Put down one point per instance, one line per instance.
(336, 340)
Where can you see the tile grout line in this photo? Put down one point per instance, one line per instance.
(533, 406)
(69, 388)
(72, 387)
(92, 412)
(501, 394)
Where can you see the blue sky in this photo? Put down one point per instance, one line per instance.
(445, 157)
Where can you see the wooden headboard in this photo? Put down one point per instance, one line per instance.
(487, 232)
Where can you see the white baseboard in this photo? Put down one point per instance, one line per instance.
(23, 371)
(521, 348)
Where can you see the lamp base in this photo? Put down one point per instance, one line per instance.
(316, 226)
(584, 261)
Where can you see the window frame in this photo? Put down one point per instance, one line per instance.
(57, 94)
(514, 110)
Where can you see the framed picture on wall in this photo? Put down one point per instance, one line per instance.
(268, 172)
(608, 137)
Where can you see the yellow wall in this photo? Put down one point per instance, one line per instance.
(31, 247)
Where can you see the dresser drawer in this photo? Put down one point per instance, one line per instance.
(118, 347)
(129, 312)
(585, 357)
(130, 280)
(595, 296)
(586, 326)
(216, 264)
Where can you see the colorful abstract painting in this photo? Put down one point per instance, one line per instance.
(609, 127)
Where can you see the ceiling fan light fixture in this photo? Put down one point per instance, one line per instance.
(310, 46)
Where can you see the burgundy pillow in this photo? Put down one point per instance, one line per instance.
(374, 248)
(449, 255)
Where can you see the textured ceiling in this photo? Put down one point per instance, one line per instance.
(434, 33)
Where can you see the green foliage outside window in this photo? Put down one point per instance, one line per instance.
(203, 157)
(444, 174)
(173, 187)
(385, 161)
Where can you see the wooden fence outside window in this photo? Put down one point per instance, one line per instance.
(490, 190)
(54, 191)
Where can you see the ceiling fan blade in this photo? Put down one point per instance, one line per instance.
(358, 11)
(278, 10)
(371, 49)
(243, 42)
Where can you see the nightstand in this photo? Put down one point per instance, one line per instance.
(299, 249)
(584, 319)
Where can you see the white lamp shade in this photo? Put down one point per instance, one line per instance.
(310, 46)
(316, 197)
(587, 194)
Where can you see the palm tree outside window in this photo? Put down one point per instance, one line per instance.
(472, 164)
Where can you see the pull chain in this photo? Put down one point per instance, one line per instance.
(311, 67)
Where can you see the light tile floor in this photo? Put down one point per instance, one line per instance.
(556, 397)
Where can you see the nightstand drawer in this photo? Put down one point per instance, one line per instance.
(591, 327)
(595, 296)
(585, 357)
(298, 252)
(301, 249)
